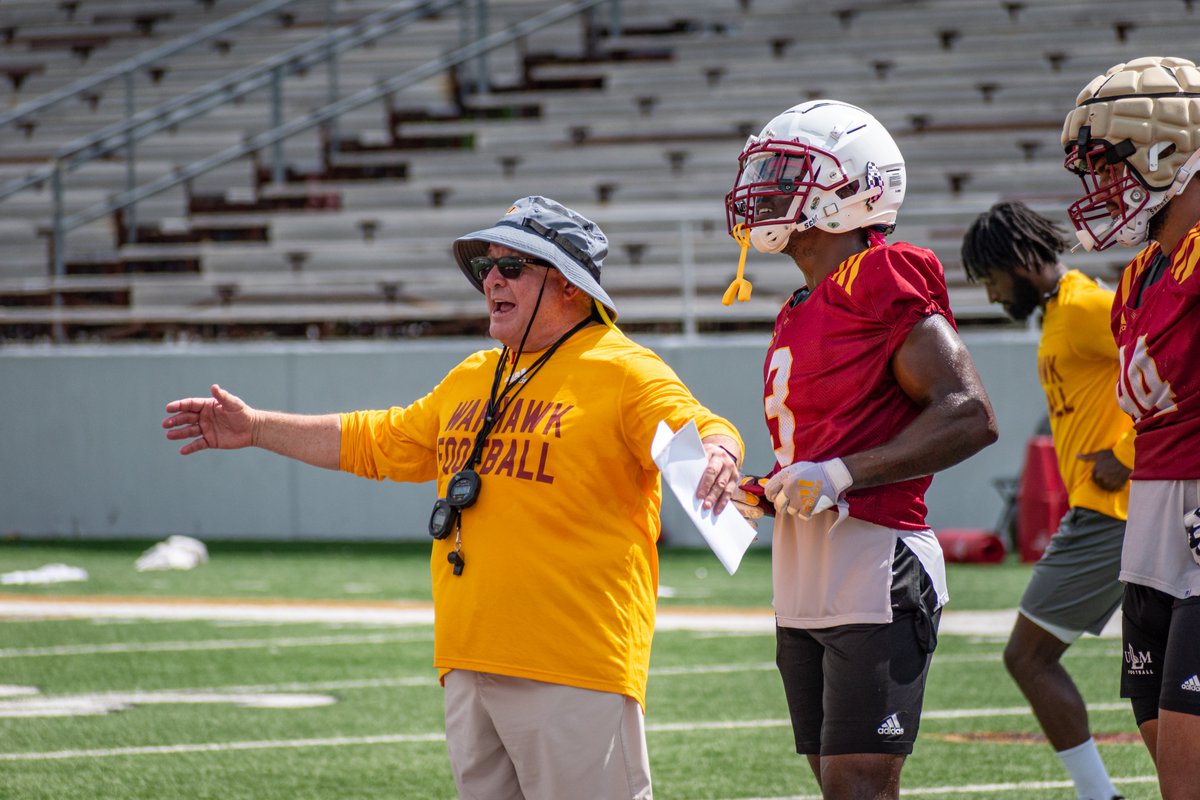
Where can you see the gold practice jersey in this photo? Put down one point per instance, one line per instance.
(1078, 367)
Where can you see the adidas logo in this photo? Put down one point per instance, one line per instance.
(1192, 684)
(892, 727)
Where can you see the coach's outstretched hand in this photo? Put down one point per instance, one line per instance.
(222, 422)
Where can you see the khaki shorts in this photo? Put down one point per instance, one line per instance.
(519, 739)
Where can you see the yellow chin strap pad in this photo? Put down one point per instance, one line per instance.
(740, 287)
(604, 316)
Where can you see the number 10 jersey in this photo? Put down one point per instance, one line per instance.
(1156, 323)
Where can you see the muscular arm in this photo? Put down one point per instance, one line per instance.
(934, 368)
(225, 422)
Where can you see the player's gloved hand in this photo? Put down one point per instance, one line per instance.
(749, 498)
(807, 488)
(1191, 524)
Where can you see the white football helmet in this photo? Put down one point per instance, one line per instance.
(1134, 141)
(823, 163)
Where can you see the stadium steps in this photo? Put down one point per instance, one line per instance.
(973, 93)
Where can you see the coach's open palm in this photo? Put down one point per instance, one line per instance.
(222, 422)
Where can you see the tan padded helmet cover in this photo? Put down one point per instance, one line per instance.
(1138, 101)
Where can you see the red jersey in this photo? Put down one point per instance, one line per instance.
(1157, 327)
(829, 388)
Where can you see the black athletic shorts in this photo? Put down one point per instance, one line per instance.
(1161, 637)
(859, 688)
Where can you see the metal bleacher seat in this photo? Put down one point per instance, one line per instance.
(646, 141)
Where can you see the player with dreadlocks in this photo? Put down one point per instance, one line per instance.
(1015, 253)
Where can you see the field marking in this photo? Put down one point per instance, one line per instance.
(428, 681)
(978, 788)
(661, 727)
(27, 607)
(210, 644)
(101, 703)
(670, 618)
(713, 669)
(218, 747)
(951, 713)
(15, 606)
(28, 701)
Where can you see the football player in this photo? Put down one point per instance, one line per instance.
(1134, 140)
(1015, 253)
(868, 391)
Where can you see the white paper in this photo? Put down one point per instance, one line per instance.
(681, 458)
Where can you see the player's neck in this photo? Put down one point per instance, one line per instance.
(818, 253)
(1181, 215)
(1048, 280)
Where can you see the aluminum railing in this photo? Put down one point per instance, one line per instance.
(129, 67)
(271, 71)
(298, 125)
(325, 48)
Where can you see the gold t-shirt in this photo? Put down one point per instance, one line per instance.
(560, 579)
(1077, 366)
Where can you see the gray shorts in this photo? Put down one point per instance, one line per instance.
(1074, 587)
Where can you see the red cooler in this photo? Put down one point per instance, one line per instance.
(1041, 498)
(970, 546)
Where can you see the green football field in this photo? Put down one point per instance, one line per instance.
(186, 696)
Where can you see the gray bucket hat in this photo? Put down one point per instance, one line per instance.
(547, 230)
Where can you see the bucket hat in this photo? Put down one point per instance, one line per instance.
(549, 231)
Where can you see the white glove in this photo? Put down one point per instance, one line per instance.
(1191, 524)
(807, 488)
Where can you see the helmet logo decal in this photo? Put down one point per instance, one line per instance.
(874, 179)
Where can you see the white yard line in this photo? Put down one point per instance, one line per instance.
(218, 747)
(247, 611)
(211, 644)
(986, 789)
(978, 623)
(343, 741)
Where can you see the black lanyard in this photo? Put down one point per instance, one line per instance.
(464, 485)
(499, 400)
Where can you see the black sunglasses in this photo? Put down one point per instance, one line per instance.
(510, 266)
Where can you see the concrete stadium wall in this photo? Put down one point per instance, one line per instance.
(82, 453)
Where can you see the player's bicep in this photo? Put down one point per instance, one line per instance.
(933, 364)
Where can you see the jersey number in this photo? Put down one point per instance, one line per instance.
(778, 373)
(1140, 391)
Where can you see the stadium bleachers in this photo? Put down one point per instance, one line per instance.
(639, 130)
